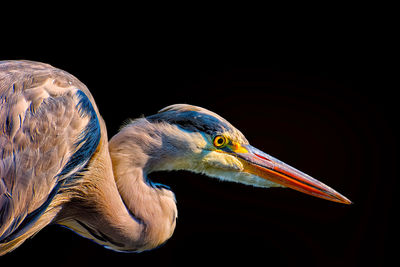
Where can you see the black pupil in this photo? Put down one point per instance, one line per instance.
(220, 141)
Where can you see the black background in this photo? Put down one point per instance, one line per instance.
(311, 95)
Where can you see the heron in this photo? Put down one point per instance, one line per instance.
(59, 167)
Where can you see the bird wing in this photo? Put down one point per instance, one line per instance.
(49, 130)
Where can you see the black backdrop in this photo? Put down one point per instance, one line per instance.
(315, 101)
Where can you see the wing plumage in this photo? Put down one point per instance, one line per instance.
(49, 129)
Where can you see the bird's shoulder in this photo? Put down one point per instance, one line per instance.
(49, 129)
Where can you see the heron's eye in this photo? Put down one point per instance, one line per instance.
(220, 141)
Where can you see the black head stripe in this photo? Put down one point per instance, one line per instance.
(193, 121)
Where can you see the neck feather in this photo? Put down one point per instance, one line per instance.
(132, 153)
(114, 206)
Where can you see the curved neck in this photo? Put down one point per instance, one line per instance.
(152, 208)
(114, 206)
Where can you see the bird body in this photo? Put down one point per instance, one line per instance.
(58, 166)
(46, 173)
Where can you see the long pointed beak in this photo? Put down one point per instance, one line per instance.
(267, 167)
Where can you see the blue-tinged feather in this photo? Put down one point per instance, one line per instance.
(29, 220)
(88, 141)
(89, 137)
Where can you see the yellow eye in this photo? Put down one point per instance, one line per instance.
(220, 141)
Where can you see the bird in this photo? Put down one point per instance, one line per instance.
(58, 165)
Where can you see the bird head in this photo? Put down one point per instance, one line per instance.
(207, 143)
